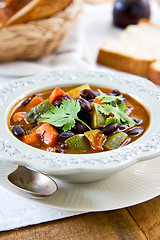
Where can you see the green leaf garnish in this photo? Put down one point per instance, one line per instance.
(108, 98)
(111, 120)
(64, 116)
(119, 110)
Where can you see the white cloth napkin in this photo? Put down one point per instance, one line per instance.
(79, 52)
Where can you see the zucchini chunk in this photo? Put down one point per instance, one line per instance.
(36, 112)
(78, 142)
(98, 119)
(115, 140)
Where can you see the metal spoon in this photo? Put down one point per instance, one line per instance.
(32, 183)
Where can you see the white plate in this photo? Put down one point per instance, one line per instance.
(128, 187)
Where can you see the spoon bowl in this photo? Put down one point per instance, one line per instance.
(32, 183)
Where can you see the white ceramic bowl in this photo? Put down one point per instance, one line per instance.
(81, 167)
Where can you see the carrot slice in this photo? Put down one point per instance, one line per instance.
(57, 92)
(48, 134)
(34, 102)
(33, 139)
(19, 117)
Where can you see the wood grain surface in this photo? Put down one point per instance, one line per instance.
(134, 223)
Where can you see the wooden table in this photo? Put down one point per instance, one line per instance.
(134, 223)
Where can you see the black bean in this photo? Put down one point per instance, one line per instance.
(112, 104)
(18, 131)
(110, 129)
(121, 101)
(64, 145)
(138, 121)
(123, 127)
(84, 116)
(66, 96)
(64, 135)
(116, 92)
(57, 102)
(58, 150)
(80, 127)
(89, 94)
(91, 100)
(85, 105)
(25, 103)
(135, 131)
(59, 129)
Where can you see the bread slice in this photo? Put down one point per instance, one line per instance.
(134, 51)
(21, 11)
(154, 72)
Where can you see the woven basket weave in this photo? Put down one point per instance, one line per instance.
(40, 38)
(99, 1)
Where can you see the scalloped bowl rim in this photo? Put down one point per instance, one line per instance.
(145, 147)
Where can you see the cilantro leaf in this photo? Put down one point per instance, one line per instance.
(120, 113)
(63, 116)
(118, 110)
(111, 120)
(108, 98)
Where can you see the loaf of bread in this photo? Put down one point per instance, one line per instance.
(21, 11)
(134, 51)
(154, 72)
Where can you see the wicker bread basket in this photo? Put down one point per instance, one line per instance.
(100, 1)
(39, 38)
